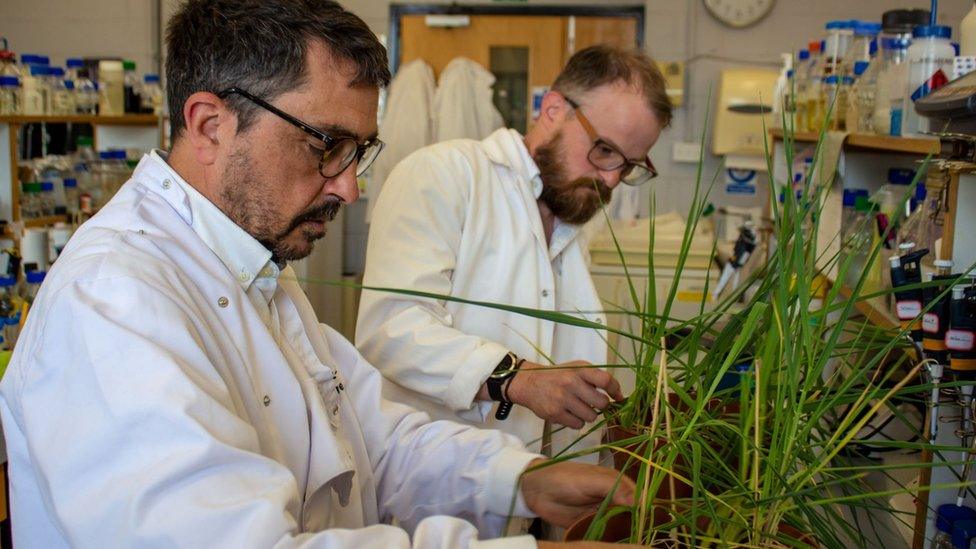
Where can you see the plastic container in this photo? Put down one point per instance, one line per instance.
(892, 80)
(34, 91)
(130, 86)
(798, 90)
(8, 64)
(836, 43)
(71, 194)
(863, 46)
(29, 200)
(62, 93)
(46, 201)
(111, 88)
(152, 94)
(930, 60)
(967, 34)
(86, 94)
(860, 98)
(33, 280)
(9, 95)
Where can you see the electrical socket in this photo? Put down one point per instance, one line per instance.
(685, 152)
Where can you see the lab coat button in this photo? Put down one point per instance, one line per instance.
(545, 293)
(267, 400)
(166, 183)
(245, 277)
(223, 302)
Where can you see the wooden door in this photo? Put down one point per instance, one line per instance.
(525, 52)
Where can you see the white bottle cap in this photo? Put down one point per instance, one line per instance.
(943, 263)
(906, 246)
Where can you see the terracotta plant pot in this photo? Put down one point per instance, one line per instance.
(617, 528)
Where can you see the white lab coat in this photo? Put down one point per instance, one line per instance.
(461, 219)
(147, 404)
(407, 122)
(463, 106)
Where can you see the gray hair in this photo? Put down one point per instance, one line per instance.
(260, 46)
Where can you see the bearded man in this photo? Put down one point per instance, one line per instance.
(499, 221)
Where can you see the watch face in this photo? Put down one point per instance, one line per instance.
(739, 13)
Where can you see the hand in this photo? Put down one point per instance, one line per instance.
(567, 394)
(560, 493)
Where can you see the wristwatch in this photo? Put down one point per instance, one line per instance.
(497, 384)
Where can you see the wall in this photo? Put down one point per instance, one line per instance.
(682, 30)
(70, 28)
(675, 30)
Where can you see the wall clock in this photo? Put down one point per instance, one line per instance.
(739, 13)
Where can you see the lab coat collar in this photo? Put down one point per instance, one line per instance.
(245, 257)
(507, 147)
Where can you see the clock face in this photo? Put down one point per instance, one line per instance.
(739, 13)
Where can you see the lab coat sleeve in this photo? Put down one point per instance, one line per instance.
(454, 469)
(135, 436)
(413, 244)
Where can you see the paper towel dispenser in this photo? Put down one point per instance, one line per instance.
(745, 96)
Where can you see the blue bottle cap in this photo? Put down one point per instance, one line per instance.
(47, 186)
(823, 46)
(932, 31)
(39, 70)
(873, 48)
(866, 28)
(12, 320)
(74, 63)
(55, 71)
(70, 182)
(860, 67)
(832, 79)
(150, 78)
(803, 55)
(789, 73)
(10, 81)
(35, 277)
(850, 196)
(44, 60)
(947, 514)
(831, 25)
(7, 281)
(118, 154)
(105, 155)
(956, 48)
(30, 59)
(69, 84)
(847, 80)
(901, 176)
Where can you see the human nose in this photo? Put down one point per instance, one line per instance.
(345, 185)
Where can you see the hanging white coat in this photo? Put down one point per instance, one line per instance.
(460, 218)
(147, 404)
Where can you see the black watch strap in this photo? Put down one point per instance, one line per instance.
(502, 372)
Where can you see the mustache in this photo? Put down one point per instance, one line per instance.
(327, 211)
(594, 184)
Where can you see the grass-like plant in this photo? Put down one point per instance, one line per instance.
(744, 417)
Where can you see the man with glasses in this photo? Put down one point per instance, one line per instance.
(172, 386)
(498, 221)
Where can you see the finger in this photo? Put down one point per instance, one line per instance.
(567, 418)
(603, 380)
(580, 409)
(592, 397)
(625, 492)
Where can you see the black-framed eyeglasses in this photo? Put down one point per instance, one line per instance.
(607, 157)
(337, 153)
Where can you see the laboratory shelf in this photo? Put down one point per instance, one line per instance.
(125, 120)
(872, 142)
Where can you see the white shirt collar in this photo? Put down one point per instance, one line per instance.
(507, 147)
(245, 257)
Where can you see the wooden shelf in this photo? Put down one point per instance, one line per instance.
(45, 221)
(872, 142)
(126, 120)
